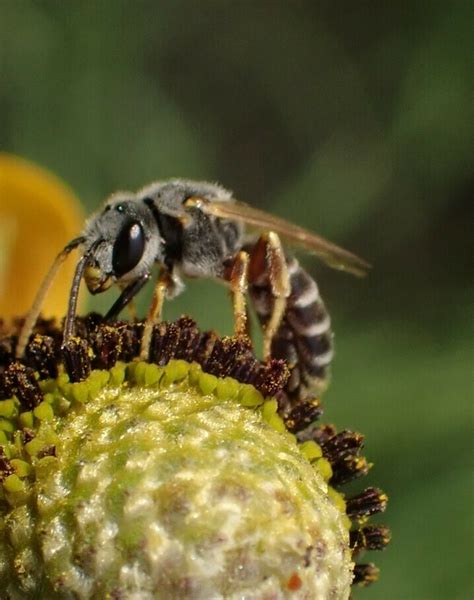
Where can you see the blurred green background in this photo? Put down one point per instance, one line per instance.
(353, 119)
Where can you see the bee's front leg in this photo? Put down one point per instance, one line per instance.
(267, 259)
(131, 306)
(236, 273)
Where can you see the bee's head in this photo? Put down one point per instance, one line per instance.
(122, 242)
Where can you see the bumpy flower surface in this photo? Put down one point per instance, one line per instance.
(168, 483)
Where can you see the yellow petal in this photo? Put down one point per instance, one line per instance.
(38, 216)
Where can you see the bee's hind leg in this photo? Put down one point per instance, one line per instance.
(267, 261)
(236, 273)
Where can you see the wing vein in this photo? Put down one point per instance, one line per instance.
(333, 255)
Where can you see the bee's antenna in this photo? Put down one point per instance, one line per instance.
(35, 309)
(74, 293)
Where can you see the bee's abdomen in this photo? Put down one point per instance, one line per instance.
(304, 338)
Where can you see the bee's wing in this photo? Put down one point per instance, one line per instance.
(332, 255)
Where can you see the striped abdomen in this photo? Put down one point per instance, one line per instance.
(304, 338)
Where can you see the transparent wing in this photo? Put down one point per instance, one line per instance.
(332, 255)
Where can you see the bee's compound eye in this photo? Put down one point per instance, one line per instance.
(128, 248)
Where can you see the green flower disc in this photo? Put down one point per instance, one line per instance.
(165, 484)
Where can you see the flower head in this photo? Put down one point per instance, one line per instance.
(173, 478)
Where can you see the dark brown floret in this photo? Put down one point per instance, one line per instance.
(166, 340)
(348, 469)
(6, 468)
(107, 346)
(345, 443)
(42, 356)
(130, 343)
(20, 381)
(369, 502)
(230, 356)
(371, 537)
(272, 377)
(77, 359)
(49, 450)
(188, 336)
(365, 574)
(27, 435)
(304, 414)
(343, 452)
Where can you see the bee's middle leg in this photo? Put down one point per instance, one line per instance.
(132, 311)
(267, 256)
(155, 311)
(236, 273)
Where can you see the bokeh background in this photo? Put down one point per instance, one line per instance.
(351, 118)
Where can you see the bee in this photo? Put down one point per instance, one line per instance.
(197, 229)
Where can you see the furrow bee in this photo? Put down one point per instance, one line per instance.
(197, 229)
